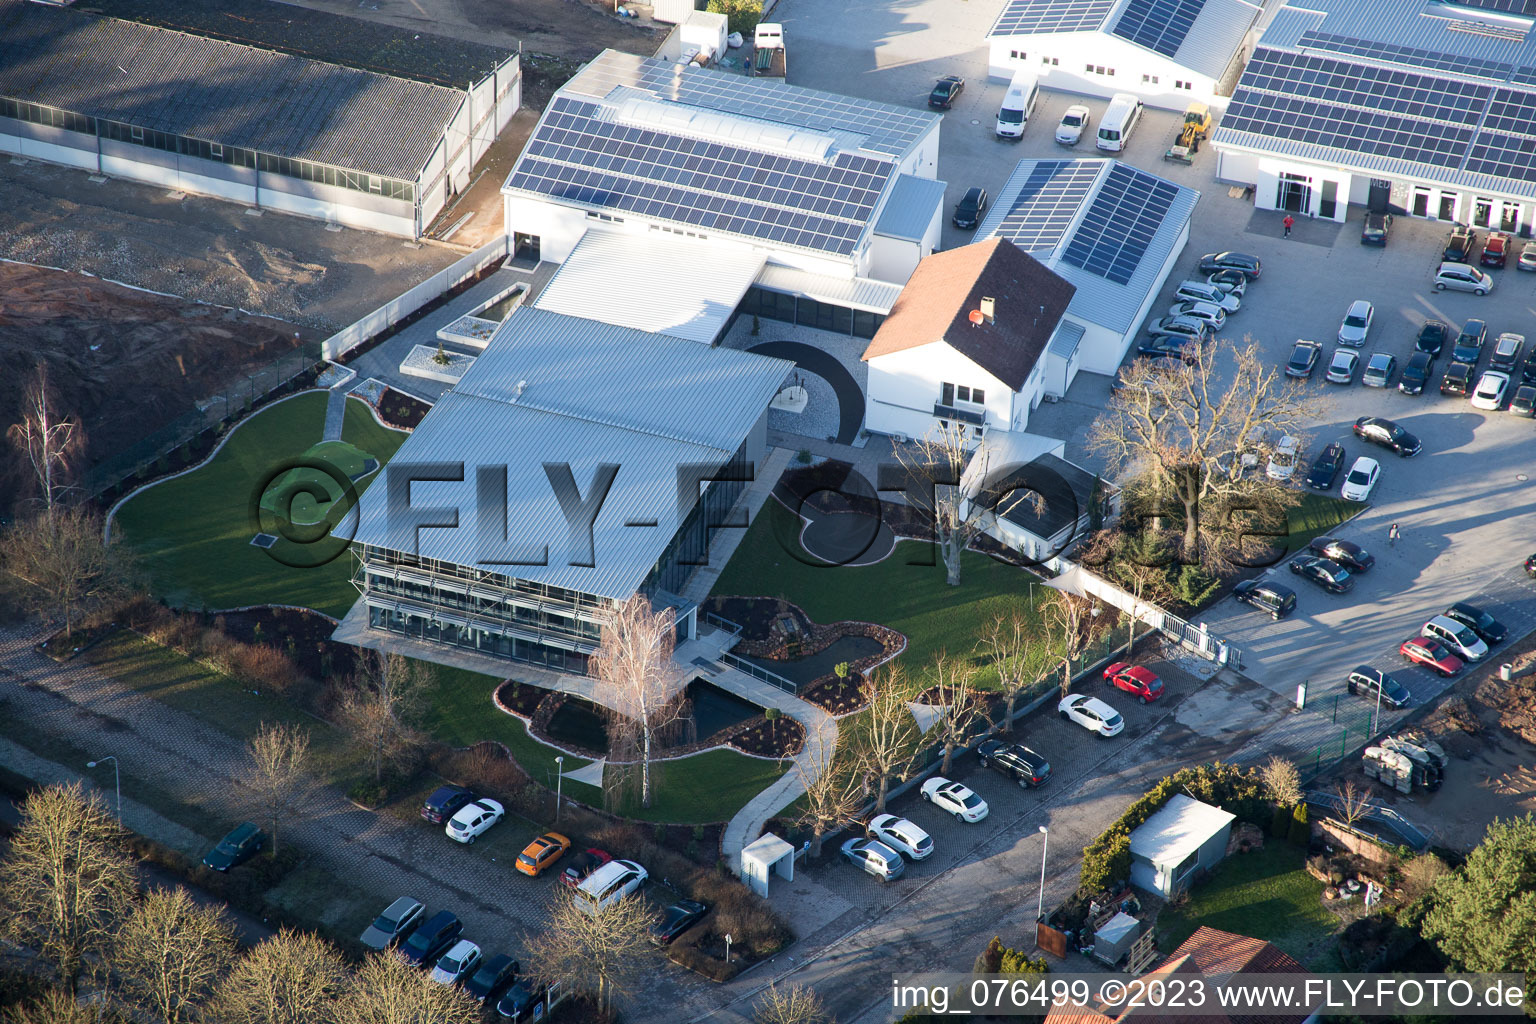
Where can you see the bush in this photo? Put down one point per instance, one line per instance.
(1301, 830)
(368, 794)
(1107, 860)
(1193, 585)
(742, 15)
(1280, 823)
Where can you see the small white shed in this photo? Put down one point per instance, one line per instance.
(1183, 837)
(763, 857)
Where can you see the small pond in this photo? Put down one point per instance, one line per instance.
(804, 670)
(499, 309)
(580, 722)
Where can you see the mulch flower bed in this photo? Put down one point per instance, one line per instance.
(401, 411)
(520, 698)
(836, 696)
(305, 636)
(781, 738)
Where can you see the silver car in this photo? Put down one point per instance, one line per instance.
(1342, 369)
(875, 858)
(1205, 312)
(1378, 370)
(1461, 277)
(1357, 323)
(1204, 291)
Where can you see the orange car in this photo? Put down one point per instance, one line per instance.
(541, 853)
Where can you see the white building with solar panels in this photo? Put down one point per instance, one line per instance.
(1423, 108)
(1168, 52)
(238, 122)
(684, 196)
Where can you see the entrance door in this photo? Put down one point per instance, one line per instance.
(1421, 202)
(1294, 194)
(1482, 211)
(1380, 196)
(525, 247)
(1328, 202)
(1509, 217)
(1447, 209)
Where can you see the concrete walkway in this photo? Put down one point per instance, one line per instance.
(336, 411)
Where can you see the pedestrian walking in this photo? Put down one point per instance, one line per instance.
(1288, 222)
(1392, 534)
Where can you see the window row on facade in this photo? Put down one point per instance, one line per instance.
(826, 316)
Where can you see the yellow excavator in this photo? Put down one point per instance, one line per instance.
(1196, 127)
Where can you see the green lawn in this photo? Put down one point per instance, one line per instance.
(1317, 515)
(194, 533)
(1266, 894)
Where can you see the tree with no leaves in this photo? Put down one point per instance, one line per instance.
(55, 1007)
(279, 772)
(1353, 801)
(641, 684)
(170, 952)
(793, 1004)
(71, 568)
(1421, 874)
(50, 443)
(291, 978)
(1070, 625)
(886, 744)
(1010, 644)
(1282, 782)
(831, 781)
(384, 697)
(387, 990)
(600, 953)
(66, 880)
(961, 707)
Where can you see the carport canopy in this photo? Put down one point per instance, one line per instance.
(766, 855)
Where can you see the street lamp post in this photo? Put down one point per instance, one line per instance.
(559, 777)
(1040, 906)
(1376, 717)
(117, 780)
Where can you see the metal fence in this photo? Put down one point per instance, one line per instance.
(720, 622)
(758, 672)
(1398, 829)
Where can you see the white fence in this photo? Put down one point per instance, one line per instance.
(402, 306)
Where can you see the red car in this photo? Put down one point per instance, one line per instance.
(1421, 650)
(1496, 251)
(583, 864)
(1143, 682)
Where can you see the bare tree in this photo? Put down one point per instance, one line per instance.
(961, 706)
(1282, 782)
(1421, 874)
(886, 744)
(291, 978)
(56, 1007)
(50, 443)
(170, 952)
(279, 772)
(832, 788)
(387, 990)
(642, 685)
(1010, 643)
(1353, 801)
(66, 880)
(1188, 438)
(793, 1004)
(71, 568)
(1069, 622)
(599, 953)
(385, 696)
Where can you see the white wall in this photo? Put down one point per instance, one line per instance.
(47, 143)
(903, 386)
(894, 259)
(559, 228)
(1074, 52)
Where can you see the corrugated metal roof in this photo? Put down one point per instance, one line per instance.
(854, 292)
(1181, 827)
(657, 282)
(1412, 23)
(223, 92)
(910, 207)
(1068, 336)
(1207, 48)
(1216, 36)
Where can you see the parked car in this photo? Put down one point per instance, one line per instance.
(1206, 312)
(1462, 640)
(1092, 714)
(431, 939)
(676, 919)
(1432, 337)
(1496, 249)
(1246, 463)
(1457, 379)
(1506, 352)
(1523, 402)
(491, 979)
(1376, 228)
(1248, 266)
(1228, 280)
(969, 209)
(1491, 388)
(456, 965)
(524, 999)
(1304, 356)
(1527, 260)
(583, 864)
(541, 853)
(1379, 369)
(1416, 373)
(1139, 680)
(445, 802)
(1183, 326)
(901, 835)
(1382, 431)
(1361, 480)
(1347, 553)
(1528, 368)
(1364, 679)
(1325, 468)
(1530, 566)
(609, 884)
(1284, 459)
(1327, 574)
(1488, 628)
(874, 858)
(1341, 369)
(1169, 346)
(243, 842)
(1357, 323)
(1469, 343)
(1021, 764)
(1459, 248)
(1268, 597)
(945, 91)
(1204, 291)
(471, 820)
(954, 798)
(1432, 654)
(1074, 121)
(1461, 278)
(396, 923)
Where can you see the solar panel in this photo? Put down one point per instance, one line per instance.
(1047, 202)
(1034, 17)
(1120, 223)
(1356, 84)
(1411, 56)
(1347, 128)
(1159, 25)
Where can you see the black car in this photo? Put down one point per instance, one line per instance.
(1376, 228)
(491, 978)
(1382, 431)
(1432, 337)
(1469, 343)
(397, 922)
(1303, 359)
(1327, 574)
(676, 919)
(1489, 629)
(1370, 681)
(445, 802)
(1523, 402)
(1459, 248)
(1214, 261)
(431, 939)
(1506, 352)
(1018, 762)
(1457, 380)
(970, 208)
(1347, 553)
(239, 846)
(1528, 368)
(1268, 597)
(1325, 468)
(1416, 373)
(521, 1001)
(945, 91)
(1169, 346)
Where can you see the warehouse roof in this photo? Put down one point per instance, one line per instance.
(217, 91)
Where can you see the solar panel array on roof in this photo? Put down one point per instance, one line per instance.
(1120, 223)
(1029, 17)
(1506, 145)
(1048, 201)
(1411, 55)
(1159, 25)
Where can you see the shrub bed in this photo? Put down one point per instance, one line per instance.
(400, 410)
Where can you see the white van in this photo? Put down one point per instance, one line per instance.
(1018, 105)
(609, 883)
(1118, 121)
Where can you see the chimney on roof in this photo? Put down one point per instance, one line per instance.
(519, 392)
(988, 308)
